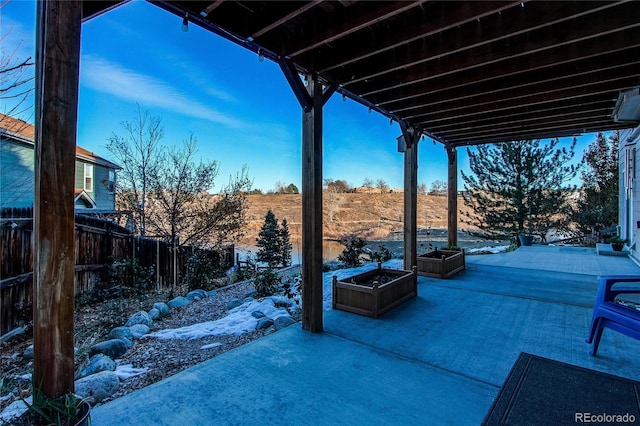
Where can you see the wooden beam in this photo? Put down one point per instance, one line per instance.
(299, 90)
(354, 22)
(286, 18)
(449, 15)
(328, 92)
(498, 63)
(559, 78)
(603, 124)
(507, 101)
(411, 137)
(490, 34)
(211, 8)
(526, 124)
(452, 195)
(312, 209)
(540, 111)
(542, 103)
(93, 9)
(57, 76)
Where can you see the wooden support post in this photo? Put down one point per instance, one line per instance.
(57, 76)
(312, 209)
(452, 195)
(411, 139)
(312, 99)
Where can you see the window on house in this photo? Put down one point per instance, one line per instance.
(88, 177)
(111, 184)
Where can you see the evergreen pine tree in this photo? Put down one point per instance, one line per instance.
(285, 244)
(519, 187)
(269, 241)
(598, 206)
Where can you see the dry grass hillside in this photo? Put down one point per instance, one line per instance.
(371, 216)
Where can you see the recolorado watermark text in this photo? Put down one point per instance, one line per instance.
(604, 418)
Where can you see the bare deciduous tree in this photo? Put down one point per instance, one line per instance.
(382, 185)
(438, 187)
(184, 210)
(368, 183)
(16, 78)
(168, 192)
(138, 155)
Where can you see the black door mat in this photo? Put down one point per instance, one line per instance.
(541, 391)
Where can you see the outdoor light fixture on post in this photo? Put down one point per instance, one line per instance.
(628, 106)
(402, 144)
(185, 22)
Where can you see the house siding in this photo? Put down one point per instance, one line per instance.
(17, 175)
(629, 193)
(101, 194)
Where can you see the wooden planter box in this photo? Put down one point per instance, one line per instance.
(441, 263)
(360, 295)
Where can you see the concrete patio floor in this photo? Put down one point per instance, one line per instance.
(439, 359)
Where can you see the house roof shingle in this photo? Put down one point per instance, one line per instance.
(14, 127)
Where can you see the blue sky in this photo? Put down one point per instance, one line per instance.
(241, 110)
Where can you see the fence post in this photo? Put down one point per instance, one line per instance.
(175, 262)
(158, 265)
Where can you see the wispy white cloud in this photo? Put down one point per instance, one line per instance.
(107, 77)
(192, 71)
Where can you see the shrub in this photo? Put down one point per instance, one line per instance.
(381, 255)
(129, 278)
(244, 271)
(293, 290)
(200, 271)
(616, 240)
(269, 241)
(354, 248)
(266, 282)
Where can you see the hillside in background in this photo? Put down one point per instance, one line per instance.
(371, 216)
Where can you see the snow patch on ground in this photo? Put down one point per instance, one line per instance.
(212, 345)
(127, 371)
(15, 410)
(492, 250)
(239, 321)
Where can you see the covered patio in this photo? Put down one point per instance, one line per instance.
(438, 359)
(461, 73)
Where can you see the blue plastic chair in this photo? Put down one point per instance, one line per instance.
(607, 313)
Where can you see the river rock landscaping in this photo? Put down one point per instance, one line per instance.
(124, 345)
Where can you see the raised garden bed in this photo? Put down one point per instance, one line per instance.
(375, 292)
(441, 263)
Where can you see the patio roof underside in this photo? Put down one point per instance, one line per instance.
(463, 73)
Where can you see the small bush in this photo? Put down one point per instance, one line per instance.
(381, 255)
(266, 282)
(201, 271)
(293, 290)
(245, 271)
(129, 277)
(354, 248)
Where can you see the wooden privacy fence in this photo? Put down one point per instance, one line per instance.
(97, 244)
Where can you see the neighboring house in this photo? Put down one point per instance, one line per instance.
(95, 185)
